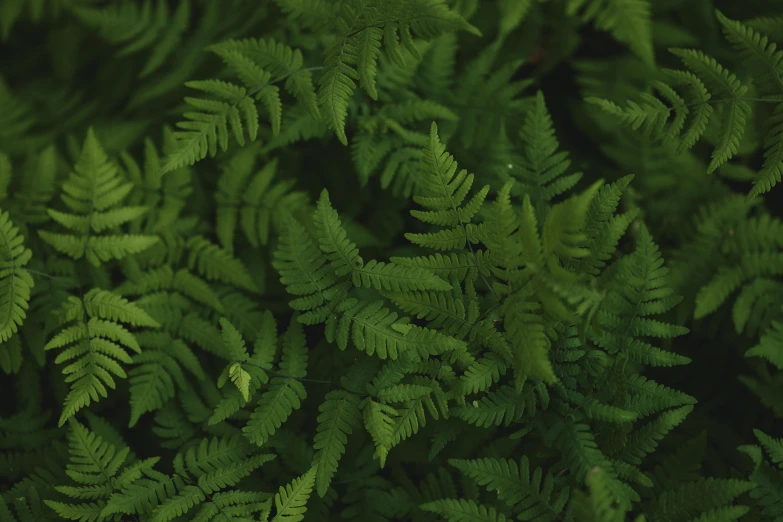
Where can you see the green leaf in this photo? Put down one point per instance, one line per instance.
(291, 499)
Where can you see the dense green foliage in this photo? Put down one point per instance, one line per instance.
(378, 260)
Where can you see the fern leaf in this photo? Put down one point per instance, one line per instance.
(500, 407)
(647, 396)
(443, 192)
(291, 499)
(379, 421)
(698, 496)
(333, 239)
(644, 440)
(772, 170)
(542, 167)
(734, 112)
(285, 392)
(339, 414)
(768, 346)
(92, 193)
(252, 201)
(139, 27)
(482, 374)
(352, 57)
(96, 465)
(515, 484)
(369, 46)
(646, 286)
(699, 105)
(208, 127)
(759, 51)
(218, 264)
(99, 343)
(581, 454)
(629, 21)
(249, 56)
(462, 510)
(301, 266)
(394, 278)
(152, 382)
(15, 281)
(336, 85)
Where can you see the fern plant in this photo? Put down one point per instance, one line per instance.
(534, 315)
(683, 119)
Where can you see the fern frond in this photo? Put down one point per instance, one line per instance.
(603, 228)
(462, 510)
(542, 167)
(259, 64)
(729, 278)
(291, 499)
(629, 21)
(772, 170)
(333, 239)
(758, 51)
(443, 193)
(218, 264)
(285, 392)
(314, 274)
(183, 281)
(514, 485)
(734, 111)
(252, 201)
(208, 127)
(647, 396)
(339, 413)
(512, 13)
(93, 192)
(96, 466)
(644, 440)
(159, 369)
(379, 419)
(167, 197)
(95, 340)
(503, 406)
(599, 506)
(249, 55)
(15, 282)
(247, 373)
(642, 287)
(336, 86)
(353, 56)
(581, 454)
(651, 116)
(774, 447)
(768, 346)
(699, 496)
(454, 315)
(375, 329)
(460, 265)
(482, 374)
(698, 103)
(138, 27)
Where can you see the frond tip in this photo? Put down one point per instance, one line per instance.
(291, 499)
(94, 342)
(339, 414)
(93, 193)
